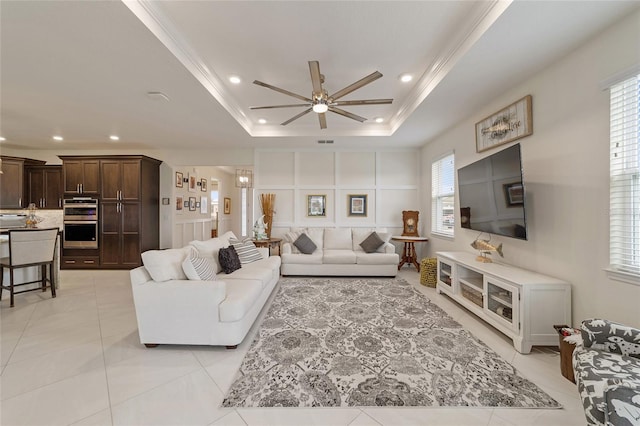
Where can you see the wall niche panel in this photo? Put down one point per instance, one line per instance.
(275, 168)
(357, 169)
(316, 168)
(393, 202)
(398, 168)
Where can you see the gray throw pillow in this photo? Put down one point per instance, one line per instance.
(304, 244)
(371, 243)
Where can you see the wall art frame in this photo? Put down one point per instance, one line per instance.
(227, 205)
(192, 182)
(192, 204)
(317, 205)
(179, 179)
(203, 185)
(513, 122)
(357, 205)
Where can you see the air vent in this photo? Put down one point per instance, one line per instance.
(325, 141)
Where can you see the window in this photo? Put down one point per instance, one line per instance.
(442, 195)
(624, 211)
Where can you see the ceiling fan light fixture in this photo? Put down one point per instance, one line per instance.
(321, 106)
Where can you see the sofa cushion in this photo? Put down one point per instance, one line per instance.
(247, 251)
(291, 237)
(240, 297)
(199, 268)
(339, 257)
(228, 259)
(371, 243)
(302, 259)
(317, 236)
(210, 248)
(305, 244)
(337, 239)
(363, 258)
(264, 275)
(359, 235)
(165, 265)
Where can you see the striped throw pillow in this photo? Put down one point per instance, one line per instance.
(247, 251)
(199, 268)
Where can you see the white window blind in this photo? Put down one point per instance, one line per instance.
(624, 212)
(442, 195)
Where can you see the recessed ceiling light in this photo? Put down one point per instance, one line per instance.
(114, 138)
(58, 138)
(2, 139)
(405, 78)
(235, 79)
(262, 121)
(379, 120)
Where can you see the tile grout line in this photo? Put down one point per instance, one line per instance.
(104, 357)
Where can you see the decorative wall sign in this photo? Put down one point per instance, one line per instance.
(316, 205)
(511, 123)
(227, 205)
(357, 205)
(179, 178)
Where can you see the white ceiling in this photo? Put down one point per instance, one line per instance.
(83, 69)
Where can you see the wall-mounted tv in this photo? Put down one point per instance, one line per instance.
(492, 196)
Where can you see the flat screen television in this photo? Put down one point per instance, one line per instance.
(492, 196)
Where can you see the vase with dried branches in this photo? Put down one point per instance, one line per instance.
(267, 203)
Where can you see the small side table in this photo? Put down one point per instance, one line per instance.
(270, 243)
(409, 251)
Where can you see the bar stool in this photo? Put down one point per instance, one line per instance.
(30, 248)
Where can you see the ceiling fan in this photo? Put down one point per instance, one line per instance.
(321, 102)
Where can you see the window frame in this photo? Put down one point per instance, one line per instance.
(437, 196)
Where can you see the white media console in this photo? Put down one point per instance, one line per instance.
(522, 304)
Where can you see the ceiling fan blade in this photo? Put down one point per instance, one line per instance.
(280, 106)
(307, 111)
(358, 84)
(322, 117)
(316, 80)
(364, 102)
(347, 114)
(277, 89)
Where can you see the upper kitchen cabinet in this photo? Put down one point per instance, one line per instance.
(81, 175)
(12, 181)
(120, 179)
(44, 186)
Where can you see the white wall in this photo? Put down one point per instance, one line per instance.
(566, 174)
(390, 179)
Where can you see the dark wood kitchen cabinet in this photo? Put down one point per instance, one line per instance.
(127, 188)
(129, 210)
(12, 181)
(81, 175)
(44, 186)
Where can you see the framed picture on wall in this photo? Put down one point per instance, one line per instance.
(203, 185)
(192, 182)
(316, 205)
(179, 204)
(204, 205)
(192, 204)
(510, 123)
(357, 205)
(227, 205)
(179, 178)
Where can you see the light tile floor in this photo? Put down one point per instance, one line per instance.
(77, 360)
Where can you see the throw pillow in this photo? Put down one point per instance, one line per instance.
(371, 243)
(199, 268)
(165, 265)
(304, 244)
(247, 251)
(229, 260)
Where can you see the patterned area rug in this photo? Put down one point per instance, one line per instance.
(371, 342)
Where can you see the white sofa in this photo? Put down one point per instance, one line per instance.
(172, 309)
(338, 253)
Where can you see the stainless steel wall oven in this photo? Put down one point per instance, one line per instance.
(80, 223)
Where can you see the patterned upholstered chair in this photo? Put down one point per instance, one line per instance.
(607, 370)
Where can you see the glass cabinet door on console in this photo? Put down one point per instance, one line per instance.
(445, 277)
(470, 285)
(502, 302)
